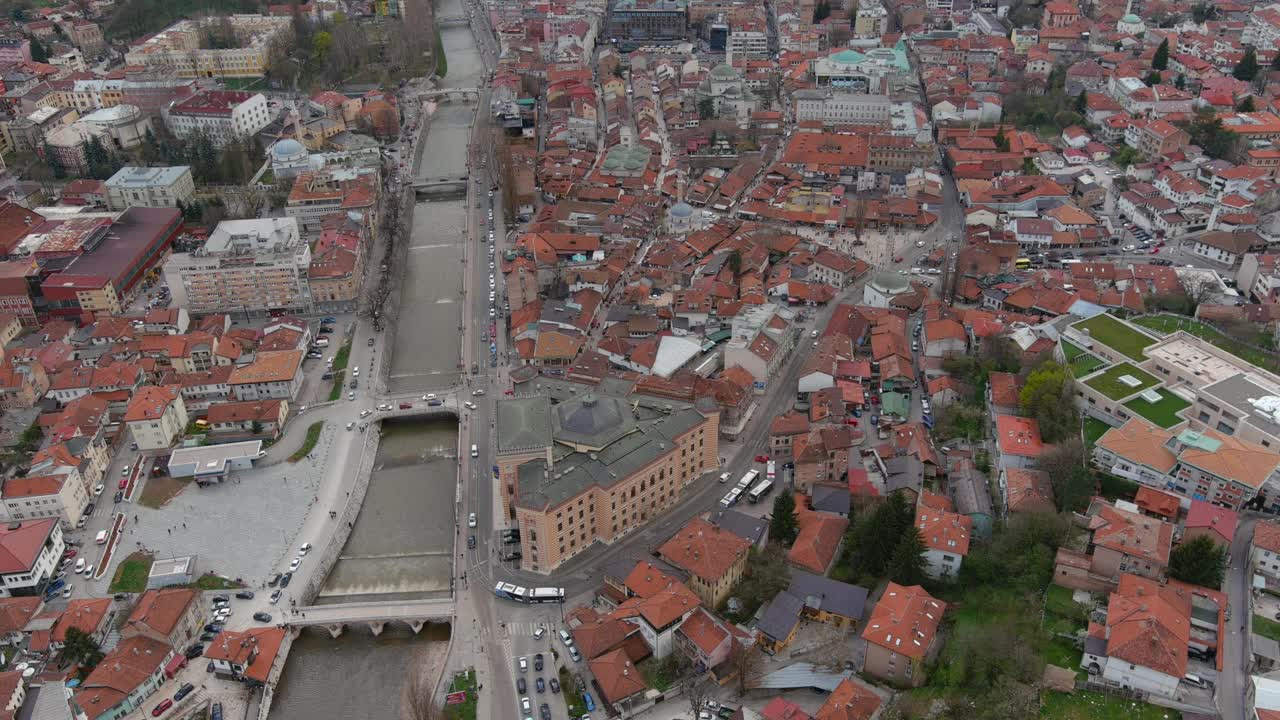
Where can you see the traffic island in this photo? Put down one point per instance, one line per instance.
(460, 703)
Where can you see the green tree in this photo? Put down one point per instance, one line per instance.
(1002, 140)
(1208, 133)
(52, 160)
(1069, 475)
(768, 573)
(1152, 78)
(821, 11)
(1160, 61)
(1246, 105)
(734, 262)
(98, 159)
(1047, 397)
(320, 45)
(1082, 102)
(80, 648)
(875, 537)
(1180, 82)
(906, 565)
(1199, 561)
(783, 526)
(1203, 12)
(256, 428)
(706, 109)
(39, 53)
(1247, 68)
(1126, 156)
(1275, 61)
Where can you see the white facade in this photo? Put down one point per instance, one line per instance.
(240, 120)
(150, 187)
(939, 564)
(246, 266)
(836, 108)
(26, 581)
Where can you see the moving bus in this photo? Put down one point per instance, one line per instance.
(507, 591)
(747, 480)
(771, 471)
(759, 491)
(731, 498)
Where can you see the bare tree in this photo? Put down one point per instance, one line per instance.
(858, 213)
(745, 661)
(418, 699)
(697, 689)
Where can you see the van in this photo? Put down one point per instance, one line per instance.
(475, 452)
(1193, 679)
(101, 537)
(724, 477)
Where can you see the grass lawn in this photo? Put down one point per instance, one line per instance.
(1097, 706)
(232, 83)
(335, 393)
(1115, 334)
(1266, 628)
(341, 358)
(1108, 382)
(467, 710)
(1163, 413)
(572, 694)
(1172, 323)
(1058, 600)
(1081, 362)
(159, 490)
(1113, 487)
(313, 437)
(131, 575)
(1094, 429)
(215, 582)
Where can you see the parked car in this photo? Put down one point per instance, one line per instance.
(275, 596)
(537, 662)
(521, 686)
(274, 581)
(244, 595)
(185, 690)
(158, 710)
(284, 579)
(262, 617)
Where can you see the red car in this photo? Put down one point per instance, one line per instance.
(124, 483)
(72, 553)
(898, 259)
(762, 458)
(158, 710)
(1155, 251)
(852, 421)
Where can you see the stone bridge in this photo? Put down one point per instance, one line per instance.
(444, 21)
(335, 618)
(448, 185)
(449, 93)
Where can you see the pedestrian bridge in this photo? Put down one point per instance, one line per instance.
(450, 185)
(452, 20)
(449, 93)
(335, 618)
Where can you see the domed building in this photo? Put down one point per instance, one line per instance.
(288, 159)
(727, 93)
(680, 219)
(884, 286)
(1131, 25)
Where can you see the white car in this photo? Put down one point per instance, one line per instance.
(97, 489)
(356, 373)
(351, 396)
(79, 566)
(293, 564)
(478, 391)
(471, 520)
(88, 570)
(306, 548)
(919, 243)
(350, 425)
(429, 396)
(469, 405)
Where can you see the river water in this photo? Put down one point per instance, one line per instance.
(401, 545)
(428, 344)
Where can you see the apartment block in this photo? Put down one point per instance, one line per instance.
(246, 266)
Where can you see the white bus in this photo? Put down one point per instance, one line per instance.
(771, 470)
(748, 479)
(731, 498)
(759, 491)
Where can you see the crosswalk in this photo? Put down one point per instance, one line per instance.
(523, 628)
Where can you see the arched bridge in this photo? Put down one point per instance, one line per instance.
(449, 184)
(335, 618)
(450, 93)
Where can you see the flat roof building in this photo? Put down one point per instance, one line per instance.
(150, 187)
(213, 463)
(248, 266)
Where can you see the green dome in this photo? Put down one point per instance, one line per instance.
(724, 72)
(1131, 19)
(847, 57)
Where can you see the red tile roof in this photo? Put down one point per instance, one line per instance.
(905, 620)
(704, 550)
(129, 665)
(616, 676)
(851, 700)
(161, 610)
(1132, 534)
(1157, 502)
(819, 538)
(1149, 625)
(1266, 535)
(21, 545)
(1019, 436)
(944, 531)
(1218, 520)
(150, 402)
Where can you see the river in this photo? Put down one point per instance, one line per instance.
(427, 347)
(401, 545)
